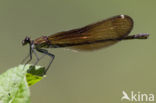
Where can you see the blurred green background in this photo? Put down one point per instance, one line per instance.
(82, 77)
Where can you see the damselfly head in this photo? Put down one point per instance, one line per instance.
(26, 41)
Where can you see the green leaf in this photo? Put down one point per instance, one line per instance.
(22, 95)
(14, 83)
(13, 86)
(35, 74)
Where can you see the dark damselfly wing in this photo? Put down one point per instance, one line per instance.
(94, 36)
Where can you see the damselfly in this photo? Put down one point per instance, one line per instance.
(88, 38)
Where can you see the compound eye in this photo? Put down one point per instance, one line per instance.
(26, 40)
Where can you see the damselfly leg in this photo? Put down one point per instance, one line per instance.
(52, 56)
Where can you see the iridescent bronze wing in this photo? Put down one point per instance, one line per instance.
(94, 36)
